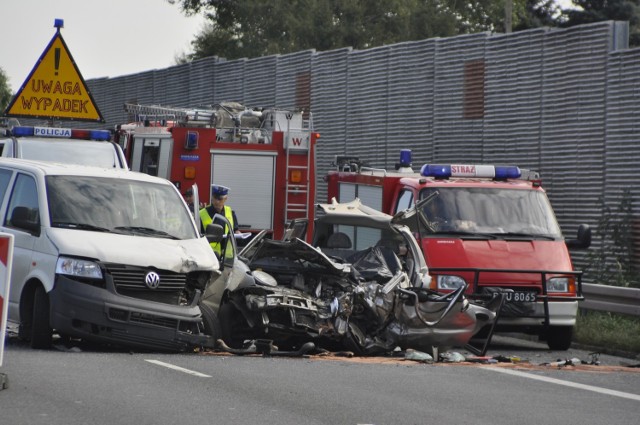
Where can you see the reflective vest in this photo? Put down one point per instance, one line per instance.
(206, 220)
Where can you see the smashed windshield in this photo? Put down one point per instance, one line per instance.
(118, 206)
(490, 211)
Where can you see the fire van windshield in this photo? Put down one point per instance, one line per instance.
(503, 213)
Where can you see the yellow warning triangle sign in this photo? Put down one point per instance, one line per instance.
(55, 88)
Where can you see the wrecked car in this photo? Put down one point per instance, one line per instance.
(362, 285)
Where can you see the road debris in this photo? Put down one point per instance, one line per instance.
(266, 348)
(418, 356)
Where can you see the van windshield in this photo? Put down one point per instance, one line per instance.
(81, 152)
(487, 211)
(119, 206)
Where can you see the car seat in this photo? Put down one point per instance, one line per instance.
(338, 245)
(338, 240)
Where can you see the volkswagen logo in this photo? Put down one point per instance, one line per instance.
(152, 280)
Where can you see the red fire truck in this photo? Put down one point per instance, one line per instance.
(265, 156)
(490, 227)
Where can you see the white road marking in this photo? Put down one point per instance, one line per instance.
(565, 383)
(178, 368)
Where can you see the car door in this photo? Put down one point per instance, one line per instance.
(228, 265)
(19, 190)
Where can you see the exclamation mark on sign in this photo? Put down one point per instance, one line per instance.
(57, 59)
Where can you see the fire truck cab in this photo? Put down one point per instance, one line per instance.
(490, 227)
(265, 156)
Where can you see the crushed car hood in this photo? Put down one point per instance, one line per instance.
(295, 254)
(180, 256)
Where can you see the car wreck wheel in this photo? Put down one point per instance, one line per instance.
(211, 322)
(230, 318)
(355, 340)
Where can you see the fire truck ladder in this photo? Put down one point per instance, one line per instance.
(291, 209)
(157, 113)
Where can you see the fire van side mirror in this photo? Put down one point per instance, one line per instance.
(584, 238)
(214, 233)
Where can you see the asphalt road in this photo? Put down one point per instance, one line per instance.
(95, 385)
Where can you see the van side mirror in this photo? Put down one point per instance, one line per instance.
(21, 218)
(214, 233)
(584, 238)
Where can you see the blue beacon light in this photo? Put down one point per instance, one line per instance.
(508, 172)
(101, 135)
(405, 157)
(436, 170)
(22, 131)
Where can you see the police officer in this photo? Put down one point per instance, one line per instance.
(219, 195)
(188, 197)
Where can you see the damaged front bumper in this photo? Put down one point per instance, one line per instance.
(92, 313)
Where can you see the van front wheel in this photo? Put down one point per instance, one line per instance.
(211, 322)
(41, 332)
(559, 337)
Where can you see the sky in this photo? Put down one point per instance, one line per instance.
(106, 38)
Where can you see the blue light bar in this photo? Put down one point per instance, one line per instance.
(440, 171)
(100, 135)
(435, 170)
(508, 172)
(22, 131)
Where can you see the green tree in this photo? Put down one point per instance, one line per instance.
(612, 263)
(538, 13)
(590, 11)
(252, 28)
(5, 91)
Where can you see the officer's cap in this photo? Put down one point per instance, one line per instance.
(218, 190)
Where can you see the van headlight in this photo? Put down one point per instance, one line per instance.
(450, 282)
(558, 284)
(79, 268)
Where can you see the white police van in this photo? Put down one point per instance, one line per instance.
(108, 255)
(65, 145)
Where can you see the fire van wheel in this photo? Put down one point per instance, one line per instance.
(559, 337)
(41, 332)
(211, 322)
